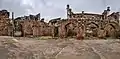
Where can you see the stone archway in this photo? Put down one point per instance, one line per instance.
(94, 24)
(21, 29)
(74, 27)
(55, 31)
(28, 30)
(111, 29)
(18, 30)
(92, 29)
(70, 29)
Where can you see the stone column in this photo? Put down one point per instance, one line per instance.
(13, 22)
(80, 32)
(119, 17)
(53, 31)
(62, 31)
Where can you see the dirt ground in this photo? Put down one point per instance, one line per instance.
(31, 48)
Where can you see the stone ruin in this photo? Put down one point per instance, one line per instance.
(79, 25)
(91, 25)
(5, 25)
(32, 25)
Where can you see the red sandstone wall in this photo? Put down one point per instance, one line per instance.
(36, 28)
(4, 23)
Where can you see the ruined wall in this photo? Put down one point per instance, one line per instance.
(43, 28)
(36, 28)
(96, 25)
(32, 25)
(76, 25)
(5, 26)
(92, 27)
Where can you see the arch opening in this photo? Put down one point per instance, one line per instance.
(92, 29)
(70, 29)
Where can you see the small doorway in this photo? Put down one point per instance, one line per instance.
(56, 31)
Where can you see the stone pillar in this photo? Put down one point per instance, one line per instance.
(80, 31)
(82, 13)
(53, 31)
(39, 16)
(119, 17)
(79, 34)
(108, 11)
(69, 12)
(105, 13)
(62, 31)
(13, 23)
(68, 7)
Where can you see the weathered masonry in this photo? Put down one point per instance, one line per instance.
(31, 26)
(5, 25)
(78, 25)
(84, 24)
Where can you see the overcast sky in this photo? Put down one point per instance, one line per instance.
(56, 8)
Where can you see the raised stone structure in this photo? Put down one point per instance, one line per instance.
(92, 25)
(77, 25)
(5, 26)
(32, 26)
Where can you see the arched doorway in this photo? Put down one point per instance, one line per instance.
(55, 31)
(111, 29)
(28, 31)
(70, 29)
(91, 29)
(18, 31)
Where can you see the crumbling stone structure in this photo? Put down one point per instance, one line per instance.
(91, 25)
(79, 25)
(32, 25)
(5, 25)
